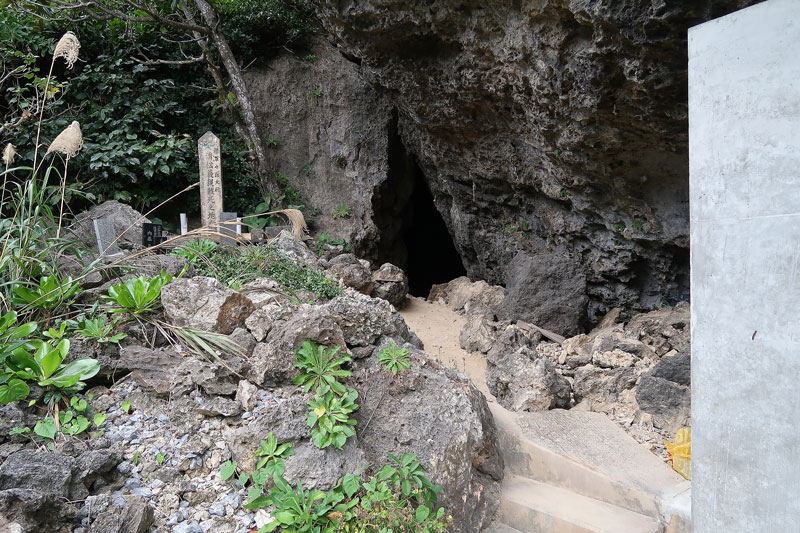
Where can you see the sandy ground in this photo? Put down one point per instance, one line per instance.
(438, 327)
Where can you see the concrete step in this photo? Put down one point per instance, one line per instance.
(534, 507)
(497, 527)
(588, 454)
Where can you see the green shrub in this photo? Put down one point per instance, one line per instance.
(237, 266)
(321, 367)
(329, 417)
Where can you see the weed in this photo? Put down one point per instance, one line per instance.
(160, 458)
(317, 92)
(329, 417)
(98, 329)
(619, 227)
(328, 239)
(139, 295)
(321, 367)
(638, 225)
(311, 58)
(126, 406)
(342, 211)
(393, 359)
(272, 141)
(339, 160)
(235, 267)
(195, 249)
(564, 193)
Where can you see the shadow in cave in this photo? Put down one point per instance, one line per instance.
(432, 256)
(412, 233)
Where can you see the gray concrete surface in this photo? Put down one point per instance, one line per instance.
(744, 130)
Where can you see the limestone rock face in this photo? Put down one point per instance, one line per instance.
(194, 302)
(536, 125)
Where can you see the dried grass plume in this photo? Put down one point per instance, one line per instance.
(68, 47)
(9, 153)
(68, 142)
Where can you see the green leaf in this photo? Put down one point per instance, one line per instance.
(99, 418)
(45, 428)
(14, 390)
(227, 469)
(350, 484)
(421, 514)
(79, 370)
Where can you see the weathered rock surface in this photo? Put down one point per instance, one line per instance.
(472, 298)
(548, 290)
(555, 122)
(127, 223)
(352, 273)
(521, 381)
(334, 147)
(441, 416)
(391, 284)
(194, 302)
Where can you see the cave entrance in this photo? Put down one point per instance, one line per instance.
(413, 234)
(432, 256)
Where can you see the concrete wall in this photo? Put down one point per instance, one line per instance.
(744, 130)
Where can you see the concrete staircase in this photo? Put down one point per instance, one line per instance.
(574, 471)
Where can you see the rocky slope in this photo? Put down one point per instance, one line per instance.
(558, 128)
(172, 418)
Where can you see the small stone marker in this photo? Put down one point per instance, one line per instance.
(184, 224)
(208, 152)
(228, 230)
(152, 234)
(104, 231)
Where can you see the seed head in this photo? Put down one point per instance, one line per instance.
(67, 48)
(69, 141)
(9, 154)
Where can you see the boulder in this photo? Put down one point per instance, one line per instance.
(664, 392)
(46, 473)
(547, 289)
(523, 382)
(663, 330)
(127, 223)
(194, 302)
(365, 320)
(107, 515)
(273, 360)
(478, 334)
(440, 415)
(261, 320)
(391, 284)
(462, 294)
(352, 273)
(295, 249)
(605, 386)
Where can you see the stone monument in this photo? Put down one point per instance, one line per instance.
(208, 152)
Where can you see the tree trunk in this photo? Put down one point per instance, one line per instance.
(242, 96)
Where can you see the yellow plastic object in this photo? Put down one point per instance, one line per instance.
(680, 452)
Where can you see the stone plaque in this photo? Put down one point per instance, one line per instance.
(105, 234)
(208, 152)
(228, 229)
(152, 234)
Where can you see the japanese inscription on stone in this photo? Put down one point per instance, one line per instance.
(210, 179)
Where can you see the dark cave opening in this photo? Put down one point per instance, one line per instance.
(432, 256)
(413, 234)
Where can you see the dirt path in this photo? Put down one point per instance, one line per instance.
(438, 327)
